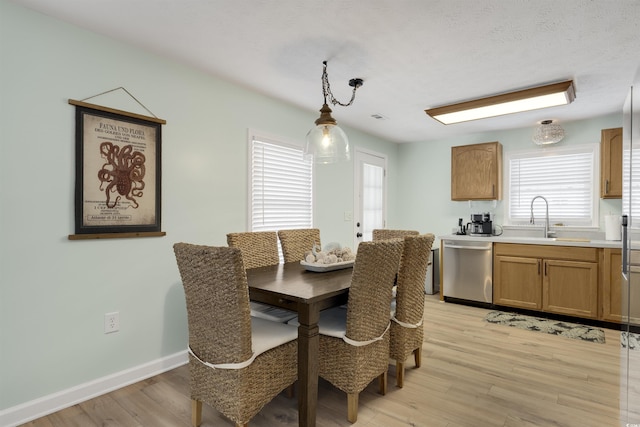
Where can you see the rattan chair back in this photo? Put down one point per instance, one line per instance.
(296, 243)
(411, 277)
(217, 297)
(370, 296)
(384, 234)
(259, 248)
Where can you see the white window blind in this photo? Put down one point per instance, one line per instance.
(567, 178)
(631, 169)
(281, 186)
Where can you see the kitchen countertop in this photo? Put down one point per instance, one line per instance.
(557, 241)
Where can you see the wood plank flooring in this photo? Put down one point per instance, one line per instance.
(473, 374)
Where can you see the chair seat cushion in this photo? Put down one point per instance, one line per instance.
(333, 322)
(266, 334)
(270, 312)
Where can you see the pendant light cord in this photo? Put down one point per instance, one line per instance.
(326, 88)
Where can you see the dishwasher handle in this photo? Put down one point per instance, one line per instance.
(473, 248)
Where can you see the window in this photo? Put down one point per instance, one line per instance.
(372, 199)
(566, 177)
(631, 169)
(281, 190)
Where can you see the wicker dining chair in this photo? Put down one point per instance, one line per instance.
(384, 234)
(354, 342)
(237, 363)
(407, 330)
(260, 249)
(296, 243)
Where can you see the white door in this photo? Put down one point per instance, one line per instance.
(370, 193)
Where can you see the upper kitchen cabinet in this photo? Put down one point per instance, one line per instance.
(476, 172)
(611, 163)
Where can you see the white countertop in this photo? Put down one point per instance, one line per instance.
(559, 241)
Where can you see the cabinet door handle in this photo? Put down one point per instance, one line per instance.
(606, 186)
(545, 268)
(538, 267)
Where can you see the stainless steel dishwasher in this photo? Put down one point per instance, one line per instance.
(467, 270)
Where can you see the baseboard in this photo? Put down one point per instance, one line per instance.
(40, 407)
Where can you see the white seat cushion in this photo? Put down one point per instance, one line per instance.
(269, 312)
(333, 322)
(266, 334)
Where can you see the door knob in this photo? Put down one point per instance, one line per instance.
(358, 234)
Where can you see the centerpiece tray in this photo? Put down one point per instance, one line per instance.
(323, 268)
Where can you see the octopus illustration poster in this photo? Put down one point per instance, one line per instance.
(118, 172)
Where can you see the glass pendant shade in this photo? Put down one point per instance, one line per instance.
(326, 142)
(548, 133)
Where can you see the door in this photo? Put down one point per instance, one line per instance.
(570, 287)
(517, 282)
(370, 193)
(630, 298)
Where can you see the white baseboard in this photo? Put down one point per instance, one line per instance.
(40, 407)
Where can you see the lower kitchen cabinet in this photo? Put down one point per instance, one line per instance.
(612, 285)
(555, 279)
(517, 282)
(571, 288)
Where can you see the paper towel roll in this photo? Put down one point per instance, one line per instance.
(612, 227)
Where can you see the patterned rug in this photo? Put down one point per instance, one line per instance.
(555, 327)
(631, 340)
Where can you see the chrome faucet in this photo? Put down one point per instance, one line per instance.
(547, 233)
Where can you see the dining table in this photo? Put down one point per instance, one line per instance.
(292, 286)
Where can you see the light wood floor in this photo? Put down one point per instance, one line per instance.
(473, 374)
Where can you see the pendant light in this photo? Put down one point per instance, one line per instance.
(327, 142)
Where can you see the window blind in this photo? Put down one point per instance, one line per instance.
(566, 178)
(631, 168)
(281, 187)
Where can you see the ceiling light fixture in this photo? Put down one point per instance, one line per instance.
(327, 142)
(548, 132)
(513, 102)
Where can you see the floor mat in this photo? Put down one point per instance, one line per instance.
(554, 327)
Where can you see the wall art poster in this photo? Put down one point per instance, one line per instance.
(118, 172)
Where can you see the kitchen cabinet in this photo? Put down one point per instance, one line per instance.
(611, 163)
(476, 172)
(554, 279)
(612, 285)
(516, 282)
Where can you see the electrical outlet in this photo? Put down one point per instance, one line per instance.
(111, 322)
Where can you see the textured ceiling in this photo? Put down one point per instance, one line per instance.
(412, 54)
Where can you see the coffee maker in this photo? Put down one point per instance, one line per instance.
(480, 225)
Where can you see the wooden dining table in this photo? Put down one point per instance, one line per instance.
(290, 286)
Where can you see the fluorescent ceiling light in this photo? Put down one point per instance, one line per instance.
(513, 102)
